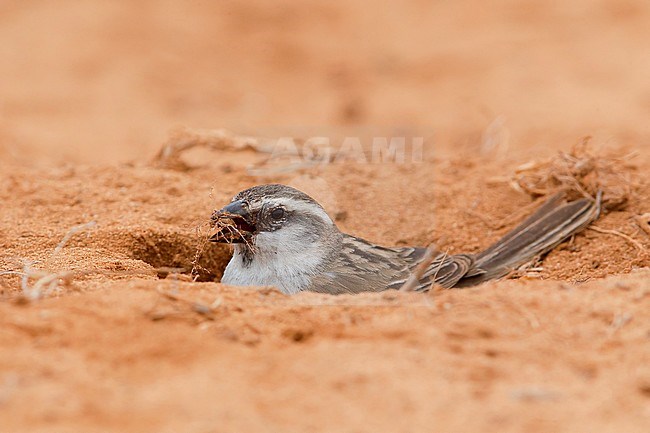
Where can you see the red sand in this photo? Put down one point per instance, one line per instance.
(91, 91)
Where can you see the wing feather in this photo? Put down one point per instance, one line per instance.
(361, 267)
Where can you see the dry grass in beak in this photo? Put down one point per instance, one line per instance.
(225, 229)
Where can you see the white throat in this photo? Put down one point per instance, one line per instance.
(286, 259)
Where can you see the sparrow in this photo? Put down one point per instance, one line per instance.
(283, 238)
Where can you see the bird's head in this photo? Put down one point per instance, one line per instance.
(273, 218)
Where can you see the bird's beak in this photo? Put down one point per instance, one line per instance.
(232, 224)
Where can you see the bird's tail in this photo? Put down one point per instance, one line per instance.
(552, 223)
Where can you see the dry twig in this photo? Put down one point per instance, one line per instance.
(643, 222)
(531, 269)
(530, 317)
(619, 234)
(47, 282)
(414, 279)
(203, 310)
(39, 283)
(582, 173)
(203, 239)
(169, 155)
(618, 321)
(76, 229)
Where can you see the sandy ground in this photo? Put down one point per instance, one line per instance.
(122, 340)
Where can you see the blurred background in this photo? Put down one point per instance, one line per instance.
(105, 81)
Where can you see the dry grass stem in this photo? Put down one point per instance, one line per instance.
(40, 283)
(531, 269)
(47, 282)
(203, 310)
(225, 226)
(220, 226)
(414, 279)
(628, 238)
(169, 155)
(74, 230)
(531, 318)
(435, 274)
(579, 173)
(643, 221)
(203, 239)
(619, 321)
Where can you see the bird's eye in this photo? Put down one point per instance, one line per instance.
(277, 213)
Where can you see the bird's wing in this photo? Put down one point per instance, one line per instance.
(555, 221)
(444, 270)
(362, 266)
